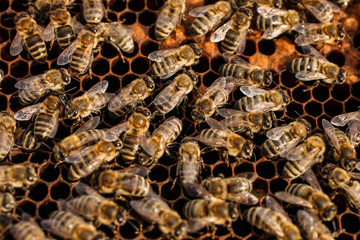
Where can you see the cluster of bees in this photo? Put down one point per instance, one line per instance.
(215, 200)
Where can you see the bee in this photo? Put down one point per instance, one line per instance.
(139, 123)
(341, 148)
(93, 11)
(283, 139)
(29, 35)
(128, 97)
(47, 116)
(155, 146)
(157, 211)
(88, 159)
(233, 33)
(91, 101)
(250, 3)
(323, 10)
(173, 94)
(214, 97)
(311, 33)
(243, 73)
(41, 9)
(25, 139)
(304, 156)
(236, 189)
(275, 22)
(231, 143)
(244, 122)
(209, 16)
(17, 176)
(313, 227)
(273, 219)
(7, 202)
(69, 226)
(353, 121)
(127, 182)
(259, 100)
(7, 130)
(34, 87)
(5, 224)
(94, 207)
(168, 62)
(343, 3)
(27, 229)
(169, 18)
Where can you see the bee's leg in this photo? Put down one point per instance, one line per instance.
(118, 49)
(11, 189)
(96, 223)
(90, 69)
(148, 228)
(206, 150)
(313, 86)
(225, 155)
(52, 44)
(174, 183)
(213, 230)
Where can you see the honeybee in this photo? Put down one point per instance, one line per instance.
(342, 149)
(168, 62)
(127, 182)
(34, 87)
(173, 94)
(304, 156)
(93, 11)
(311, 33)
(5, 224)
(25, 139)
(275, 22)
(7, 130)
(230, 143)
(69, 226)
(62, 27)
(88, 159)
(215, 96)
(243, 73)
(94, 207)
(353, 121)
(47, 116)
(41, 9)
(128, 97)
(155, 146)
(259, 100)
(323, 10)
(209, 16)
(17, 176)
(27, 229)
(273, 219)
(237, 188)
(313, 227)
(91, 101)
(28, 34)
(169, 18)
(233, 33)
(283, 139)
(244, 122)
(7, 202)
(266, 3)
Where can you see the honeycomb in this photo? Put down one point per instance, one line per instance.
(140, 15)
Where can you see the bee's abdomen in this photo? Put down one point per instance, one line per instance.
(81, 168)
(37, 48)
(304, 64)
(130, 150)
(26, 140)
(78, 65)
(233, 70)
(202, 24)
(292, 169)
(125, 43)
(65, 35)
(299, 189)
(163, 67)
(230, 43)
(248, 104)
(43, 127)
(5, 148)
(162, 28)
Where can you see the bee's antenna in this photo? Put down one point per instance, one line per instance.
(279, 72)
(297, 113)
(43, 143)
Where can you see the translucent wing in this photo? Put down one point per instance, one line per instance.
(342, 119)
(318, 12)
(172, 69)
(227, 112)
(300, 153)
(351, 191)
(303, 28)
(245, 198)
(200, 11)
(268, 220)
(310, 177)
(330, 132)
(159, 55)
(268, 12)
(54, 122)
(251, 176)
(169, 20)
(287, 197)
(96, 105)
(84, 189)
(6, 141)
(275, 205)
(276, 132)
(308, 222)
(16, 46)
(220, 33)
(215, 124)
(285, 148)
(87, 55)
(354, 175)
(116, 30)
(306, 39)
(219, 83)
(125, 97)
(113, 133)
(241, 41)
(310, 76)
(27, 112)
(26, 83)
(240, 61)
(92, 123)
(77, 156)
(251, 91)
(314, 53)
(194, 189)
(77, 26)
(334, 7)
(273, 33)
(168, 95)
(99, 87)
(354, 132)
(219, 142)
(148, 213)
(66, 56)
(49, 33)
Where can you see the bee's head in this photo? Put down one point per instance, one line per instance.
(196, 49)
(70, 111)
(341, 76)
(198, 117)
(341, 31)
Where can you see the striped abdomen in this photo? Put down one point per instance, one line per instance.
(189, 171)
(325, 11)
(293, 169)
(125, 43)
(85, 205)
(43, 127)
(6, 146)
(165, 103)
(163, 27)
(196, 209)
(203, 24)
(231, 40)
(305, 64)
(300, 190)
(270, 148)
(133, 185)
(163, 67)
(26, 139)
(91, 136)
(78, 63)
(248, 104)
(31, 93)
(85, 166)
(233, 70)
(65, 35)
(131, 148)
(256, 215)
(207, 134)
(27, 230)
(36, 47)
(268, 23)
(93, 11)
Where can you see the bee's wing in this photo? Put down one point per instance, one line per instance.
(49, 33)
(125, 97)
(169, 20)
(237, 60)
(306, 39)
(99, 87)
(318, 12)
(141, 171)
(305, 27)
(285, 148)
(276, 132)
(200, 11)
(77, 26)
(66, 56)
(146, 211)
(148, 145)
(308, 221)
(297, 153)
(196, 190)
(333, 6)
(113, 133)
(172, 69)
(241, 41)
(84, 189)
(354, 175)
(6, 141)
(352, 192)
(330, 132)
(77, 155)
(311, 178)
(270, 223)
(220, 33)
(117, 30)
(27, 112)
(101, 104)
(54, 122)
(167, 134)
(220, 142)
(168, 95)
(251, 91)
(251, 176)
(227, 112)
(273, 33)
(219, 83)
(92, 123)
(16, 46)
(158, 56)
(310, 76)
(354, 131)
(290, 198)
(245, 198)
(87, 55)
(215, 124)
(25, 83)
(275, 205)
(94, 5)
(268, 12)
(342, 119)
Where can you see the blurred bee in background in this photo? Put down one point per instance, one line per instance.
(342, 149)
(47, 116)
(237, 189)
(174, 93)
(245, 74)
(154, 146)
(259, 100)
(323, 10)
(230, 143)
(283, 139)
(168, 62)
(132, 94)
(343, 3)
(275, 22)
(91, 101)
(214, 97)
(93, 11)
(40, 9)
(34, 87)
(129, 182)
(25, 139)
(233, 33)
(7, 202)
(250, 3)
(27, 228)
(94, 207)
(244, 122)
(209, 16)
(29, 35)
(273, 219)
(69, 226)
(17, 176)
(5, 224)
(311, 33)
(169, 18)
(7, 130)
(304, 156)
(353, 121)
